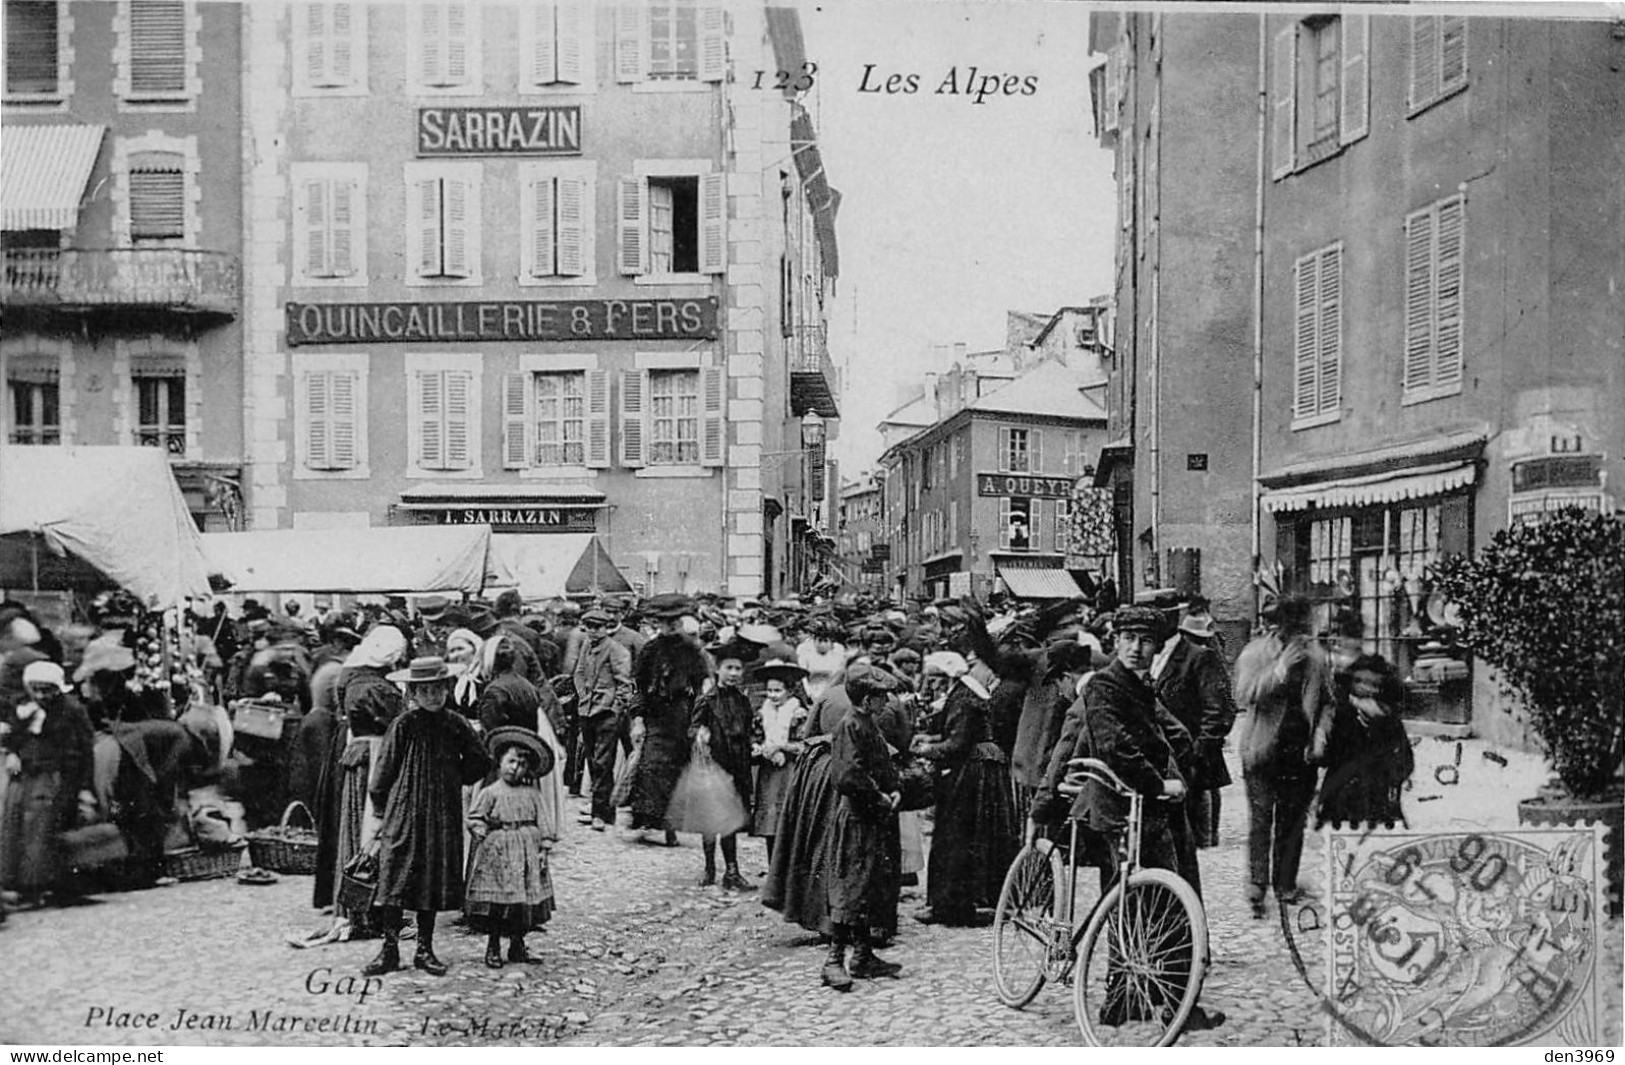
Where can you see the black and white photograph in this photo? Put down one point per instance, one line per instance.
(811, 523)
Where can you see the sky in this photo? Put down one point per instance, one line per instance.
(952, 211)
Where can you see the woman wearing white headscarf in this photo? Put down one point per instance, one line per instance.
(465, 657)
(47, 750)
(975, 835)
(369, 701)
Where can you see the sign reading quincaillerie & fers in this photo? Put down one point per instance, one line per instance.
(528, 320)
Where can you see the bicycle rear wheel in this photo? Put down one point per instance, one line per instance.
(1141, 959)
(1023, 923)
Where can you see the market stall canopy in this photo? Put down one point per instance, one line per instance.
(413, 558)
(115, 509)
(554, 565)
(1039, 583)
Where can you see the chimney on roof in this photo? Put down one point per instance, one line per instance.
(959, 352)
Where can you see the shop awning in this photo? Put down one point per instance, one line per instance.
(553, 565)
(1415, 483)
(1113, 453)
(1039, 583)
(429, 558)
(43, 174)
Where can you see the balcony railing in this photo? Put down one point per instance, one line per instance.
(178, 279)
(811, 351)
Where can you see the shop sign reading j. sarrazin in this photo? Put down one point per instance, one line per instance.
(527, 320)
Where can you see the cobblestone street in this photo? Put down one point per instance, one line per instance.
(636, 955)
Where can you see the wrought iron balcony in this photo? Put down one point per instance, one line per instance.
(81, 279)
(814, 383)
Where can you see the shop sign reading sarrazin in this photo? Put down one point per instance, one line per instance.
(526, 320)
(499, 130)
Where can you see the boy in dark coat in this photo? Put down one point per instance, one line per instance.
(861, 848)
(427, 756)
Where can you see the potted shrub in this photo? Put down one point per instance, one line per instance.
(1544, 603)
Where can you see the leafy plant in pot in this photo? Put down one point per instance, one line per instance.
(1544, 603)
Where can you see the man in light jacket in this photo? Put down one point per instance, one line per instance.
(603, 683)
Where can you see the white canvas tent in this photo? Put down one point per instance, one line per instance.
(388, 559)
(558, 565)
(79, 517)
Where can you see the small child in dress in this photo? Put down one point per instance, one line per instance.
(779, 723)
(508, 882)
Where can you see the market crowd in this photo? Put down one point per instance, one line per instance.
(437, 746)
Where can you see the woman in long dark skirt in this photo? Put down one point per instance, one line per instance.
(48, 752)
(427, 756)
(669, 673)
(975, 835)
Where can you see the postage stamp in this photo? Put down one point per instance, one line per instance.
(1463, 938)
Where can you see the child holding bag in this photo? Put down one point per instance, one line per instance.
(721, 725)
(515, 828)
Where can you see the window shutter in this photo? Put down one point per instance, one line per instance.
(31, 47)
(634, 416)
(1354, 90)
(713, 224)
(340, 64)
(1447, 358)
(541, 51)
(632, 220)
(598, 419)
(157, 47)
(459, 397)
(713, 408)
(431, 420)
(1004, 521)
(1452, 52)
(1331, 329)
(631, 43)
(427, 227)
(342, 232)
(543, 237)
(713, 45)
(316, 257)
(570, 41)
(1305, 386)
(157, 204)
(318, 419)
(456, 227)
(316, 44)
(345, 419)
(1424, 59)
(572, 227)
(431, 45)
(1419, 300)
(1283, 109)
(1004, 448)
(1114, 89)
(1035, 450)
(457, 44)
(516, 421)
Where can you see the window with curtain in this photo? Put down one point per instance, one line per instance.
(561, 412)
(674, 418)
(161, 411)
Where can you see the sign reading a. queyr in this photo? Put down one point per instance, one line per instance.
(554, 130)
(1030, 485)
(528, 320)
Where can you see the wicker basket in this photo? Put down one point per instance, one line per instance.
(195, 863)
(261, 720)
(285, 849)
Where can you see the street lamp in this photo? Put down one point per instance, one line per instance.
(812, 435)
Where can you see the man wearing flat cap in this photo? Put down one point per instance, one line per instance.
(604, 692)
(1123, 725)
(1192, 682)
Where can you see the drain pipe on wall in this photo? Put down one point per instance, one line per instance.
(1258, 307)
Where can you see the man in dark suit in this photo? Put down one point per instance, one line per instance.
(1190, 678)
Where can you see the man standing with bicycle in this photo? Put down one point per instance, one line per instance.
(1119, 721)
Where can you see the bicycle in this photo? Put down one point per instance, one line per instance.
(1135, 962)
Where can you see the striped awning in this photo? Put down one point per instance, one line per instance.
(1039, 583)
(1418, 482)
(43, 174)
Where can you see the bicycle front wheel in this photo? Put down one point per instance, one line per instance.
(1141, 960)
(1023, 925)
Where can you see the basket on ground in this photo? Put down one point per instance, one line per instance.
(284, 848)
(198, 863)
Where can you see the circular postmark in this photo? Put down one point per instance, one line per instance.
(1452, 939)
